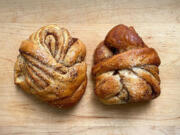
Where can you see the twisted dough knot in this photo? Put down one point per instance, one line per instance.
(125, 69)
(51, 66)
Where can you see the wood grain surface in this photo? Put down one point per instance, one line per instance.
(157, 22)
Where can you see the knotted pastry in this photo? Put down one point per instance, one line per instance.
(125, 68)
(51, 66)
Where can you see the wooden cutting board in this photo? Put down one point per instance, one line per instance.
(157, 22)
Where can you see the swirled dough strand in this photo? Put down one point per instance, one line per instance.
(51, 66)
(125, 69)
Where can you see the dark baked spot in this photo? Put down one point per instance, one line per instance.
(115, 72)
(114, 50)
(72, 41)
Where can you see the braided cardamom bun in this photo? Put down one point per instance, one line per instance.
(51, 66)
(125, 68)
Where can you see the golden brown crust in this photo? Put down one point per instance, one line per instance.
(124, 38)
(125, 69)
(51, 66)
